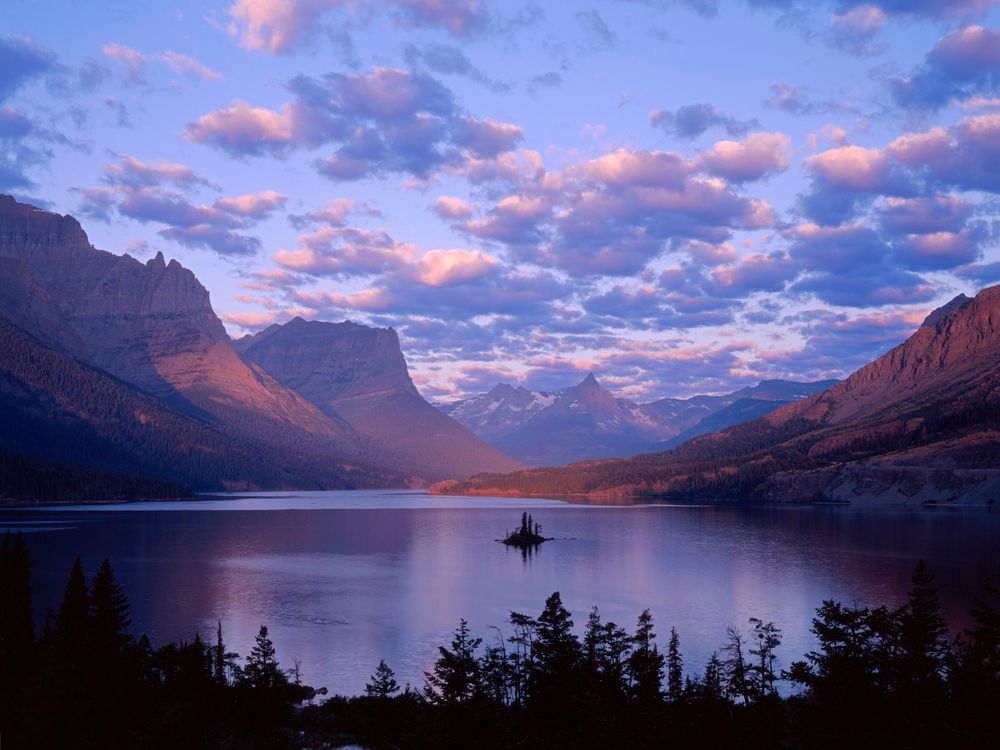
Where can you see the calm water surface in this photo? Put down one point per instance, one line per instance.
(343, 579)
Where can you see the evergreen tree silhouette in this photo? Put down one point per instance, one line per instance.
(109, 610)
(382, 683)
(72, 621)
(261, 669)
(922, 634)
(646, 663)
(675, 668)
(455, 679)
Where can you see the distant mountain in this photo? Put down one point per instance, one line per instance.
(358, 373)
(921, 424)
(586, 421)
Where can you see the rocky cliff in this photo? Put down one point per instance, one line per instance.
(150, 324)
(359, 374)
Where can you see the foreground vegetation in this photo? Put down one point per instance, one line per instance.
(879, 677)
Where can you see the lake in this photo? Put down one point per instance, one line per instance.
(343, 579)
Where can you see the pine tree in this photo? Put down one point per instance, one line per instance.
(646, 663)
(922, 632)
(675, 668)
(711, 683)
(73, 617)
(383, 682)
(219, 658)
(557, 652)
(766, 638)
(455, 679)
(262, 670)
(109, 610)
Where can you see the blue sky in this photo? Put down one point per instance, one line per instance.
(681, 197)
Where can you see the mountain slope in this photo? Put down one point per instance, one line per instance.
(587, 421)
(62, 415)
(919, 424)
(359, 374)
(151, 325)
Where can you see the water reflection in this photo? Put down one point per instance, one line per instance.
(342, 587)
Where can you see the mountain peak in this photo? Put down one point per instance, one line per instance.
(936, 315)
(589, 382)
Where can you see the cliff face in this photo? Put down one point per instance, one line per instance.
(359, 374)
(919, 424)
(150, 324)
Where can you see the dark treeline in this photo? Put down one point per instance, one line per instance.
(879, 677)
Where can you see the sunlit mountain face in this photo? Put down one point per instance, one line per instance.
(682, 198)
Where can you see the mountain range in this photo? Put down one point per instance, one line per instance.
(586, 421)
(118, 380)
(120, 374)
(919, 425)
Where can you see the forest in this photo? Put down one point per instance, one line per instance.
(887, 677)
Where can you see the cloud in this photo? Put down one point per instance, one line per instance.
(455, 266)
(962, 64)
(939, 213)
(138, 190)
(334, 213)
(597, 35)
(445, 59)
(282, 26)
(855, 30)
(450, 208)
(756, 157)
(133, 172)
(243, 130)
(381, 121)
(693, 120)
(188, 66)
(134, 61)
(615, 213)
(22, 60)
(852, 266)
(460, 18)
(346, 251)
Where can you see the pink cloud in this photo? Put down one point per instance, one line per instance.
(454, 266)
(851, 167)
(756, 156)
(188, 66)
(255, 205)
(241, 129)
(448, 208)
(348, 251)
(968, 50)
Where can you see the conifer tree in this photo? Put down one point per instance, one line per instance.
(922, 632)
(262, 670)
(383, 682)
(646, 663)
(109, 610)
(72, 620)
(675, 668)
(455, 679)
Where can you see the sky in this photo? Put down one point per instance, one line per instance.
(679, 196)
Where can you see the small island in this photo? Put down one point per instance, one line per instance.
(528, 535)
